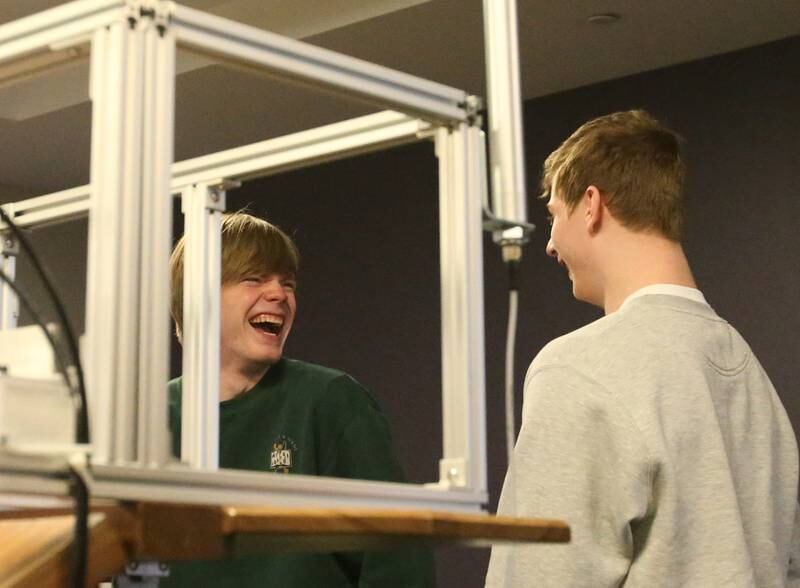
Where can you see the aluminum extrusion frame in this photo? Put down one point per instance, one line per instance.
(132, 85)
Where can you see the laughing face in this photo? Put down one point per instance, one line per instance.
(256, 317)
(569, 244)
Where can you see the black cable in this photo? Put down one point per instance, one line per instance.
(79, 489)
(37, 318)
(82, 431)
(78, 486)
(512, 265)
(80, 544)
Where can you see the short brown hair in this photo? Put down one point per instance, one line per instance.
(250, 247)
(636, 164)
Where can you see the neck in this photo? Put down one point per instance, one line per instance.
(233, 380)
(643, 260)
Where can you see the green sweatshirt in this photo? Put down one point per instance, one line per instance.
(304, 419)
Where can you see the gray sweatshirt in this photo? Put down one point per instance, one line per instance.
(658, 436)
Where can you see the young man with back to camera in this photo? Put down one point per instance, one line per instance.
(285, 416)
(654, 431)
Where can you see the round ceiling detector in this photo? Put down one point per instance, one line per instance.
(604, 18)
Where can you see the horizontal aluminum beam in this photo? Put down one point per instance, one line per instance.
(50, 208)
(39, 476)
(343, 139)
(59, 26)
(292, 59)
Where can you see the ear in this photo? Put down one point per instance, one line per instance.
(594, 209)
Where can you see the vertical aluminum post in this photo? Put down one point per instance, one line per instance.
(9, 249)
(504, 104)
(113, 245)
(156, 238)
(461, 181)
(130, 227)
(202, 206)
(127, 322)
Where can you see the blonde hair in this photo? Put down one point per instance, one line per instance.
(250, 247)
(636, 164)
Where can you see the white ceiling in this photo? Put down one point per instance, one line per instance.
(435, 39)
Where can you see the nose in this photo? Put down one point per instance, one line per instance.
(551, 249)
(273, 290)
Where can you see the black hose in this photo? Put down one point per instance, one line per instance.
(82, 432)
(80, 543)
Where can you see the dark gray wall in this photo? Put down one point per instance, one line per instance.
(367, 230)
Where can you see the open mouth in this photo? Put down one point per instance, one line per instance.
(267, 323)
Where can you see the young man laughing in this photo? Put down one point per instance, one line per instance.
(285, 416)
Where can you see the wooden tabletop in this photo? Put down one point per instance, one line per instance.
(36, 546)
(36, 543)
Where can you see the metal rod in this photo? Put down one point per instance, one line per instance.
(155, 239)
(461, 259)
(55, 27)
(291, 59)
(181, 484)
(203, 208)
(504, 104)
(107, 65)
(9, 303)
(343, 139)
